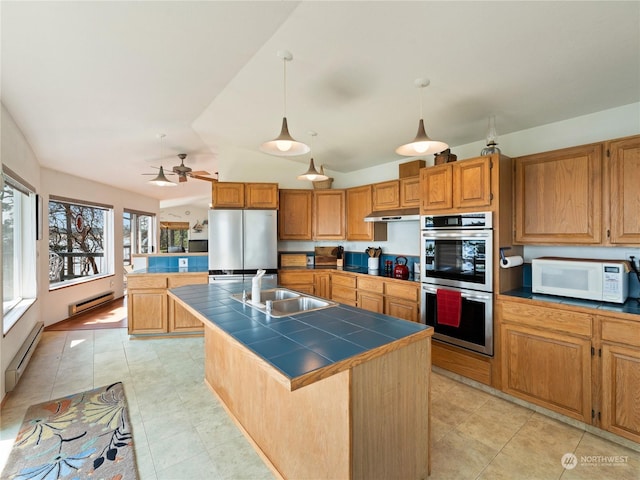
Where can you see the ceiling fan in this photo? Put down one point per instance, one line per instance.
(183, 171)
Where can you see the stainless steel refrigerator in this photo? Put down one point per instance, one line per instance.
(242, 242)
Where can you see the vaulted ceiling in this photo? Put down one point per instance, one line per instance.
(91, 84)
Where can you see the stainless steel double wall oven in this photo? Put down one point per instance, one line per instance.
(456, 253)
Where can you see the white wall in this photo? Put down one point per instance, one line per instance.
(16, 154)
(56, 302)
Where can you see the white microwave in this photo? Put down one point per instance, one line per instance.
(600, 280)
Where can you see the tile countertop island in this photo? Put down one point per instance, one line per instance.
(338, 393)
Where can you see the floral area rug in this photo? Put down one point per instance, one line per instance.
(82, 436)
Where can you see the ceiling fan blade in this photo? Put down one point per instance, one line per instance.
(208, 179)
(199, 172)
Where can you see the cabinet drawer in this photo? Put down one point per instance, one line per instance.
(370, 284)
(546, 318)
(343, 280)
(147, 281)
(621, 331)
(399, 290)
(301, 276)
(186, 279)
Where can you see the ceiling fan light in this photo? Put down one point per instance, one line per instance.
(312, 174)
(284, 145)
(421, 145)
(161, 180)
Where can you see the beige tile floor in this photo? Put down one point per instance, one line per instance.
(182, 433)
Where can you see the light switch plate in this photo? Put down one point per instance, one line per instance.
(183, 262)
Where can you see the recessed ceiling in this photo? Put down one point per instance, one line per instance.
(91, 84)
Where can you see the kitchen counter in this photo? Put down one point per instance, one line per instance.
(355, 269)
(169, 269)
(334, 393)
(631, 306)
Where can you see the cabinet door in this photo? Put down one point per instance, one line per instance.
(181, 320)
(399, 308)
(322, 285)
(624, 186)
(329, 215)
(228, 195)
(386, 195)
(435, 188)
(358, 205)
(549, 369)
(300, 280)
(370, 301)
(472, 183)
(621, 391)
(294, 217)
(261, 196)
(410, 192)
(147, 311)
(558, 196)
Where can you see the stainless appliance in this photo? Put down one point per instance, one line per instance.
(240, 243)
(600, 280)
(456, 253)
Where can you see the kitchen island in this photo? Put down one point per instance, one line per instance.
(338, 393)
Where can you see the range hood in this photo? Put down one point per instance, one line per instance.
(398, 215)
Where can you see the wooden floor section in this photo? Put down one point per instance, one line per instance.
(111, 315)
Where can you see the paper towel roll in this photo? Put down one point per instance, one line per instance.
(512, 261)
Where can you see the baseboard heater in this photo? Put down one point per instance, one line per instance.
(88, 303)
(19, 363)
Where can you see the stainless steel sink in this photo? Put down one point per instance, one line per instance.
(285, 302)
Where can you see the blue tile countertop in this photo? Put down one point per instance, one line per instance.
(631, 306)
(299, 344)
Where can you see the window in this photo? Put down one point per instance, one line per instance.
(174, 236)
(80, 241)
(138, 234)
(19, 288)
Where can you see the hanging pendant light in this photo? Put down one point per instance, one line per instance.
(161, 180)
(284, 145)
(312, 174)
(422, 144)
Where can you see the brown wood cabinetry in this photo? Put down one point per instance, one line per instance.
(245, 195)
(151, 311)
(343, 288)
(294, 217)
(386, 195)
(300, 280)
(558, 196)
(465, 184)
(322, 284)
(401, 300)
(329, 215)
(620, 378)
(370, 293)
(358, 205)
(410, 192)
(624, 190)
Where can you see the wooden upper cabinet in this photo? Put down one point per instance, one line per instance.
(472, 183)
(261, 196)
(461, 185)
(410, 192)
(436, 188)
(329, 215)
(558, 196)
(358, 205)
(386, 195)
(294, 217)
(624, 190)
(228, 195)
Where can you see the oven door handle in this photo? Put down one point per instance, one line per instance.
(467, 296)
(456, 234)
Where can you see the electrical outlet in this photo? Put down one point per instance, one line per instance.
(183, 262)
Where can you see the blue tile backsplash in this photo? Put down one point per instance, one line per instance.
(197, 261)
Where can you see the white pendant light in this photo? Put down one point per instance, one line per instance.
(161, 180)
(284, 145)
(422, 144)
(312, 174)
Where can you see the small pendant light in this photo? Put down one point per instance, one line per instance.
(312, 174)
(161, 180)
(422, 144)
(284, 145)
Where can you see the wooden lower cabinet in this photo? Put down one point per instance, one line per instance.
(322, 284)
(151, 311)
(370, 290)
(582, 365)
(299, 280)
(343, 288)
(402, 300)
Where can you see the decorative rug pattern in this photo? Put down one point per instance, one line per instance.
(85, 435)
